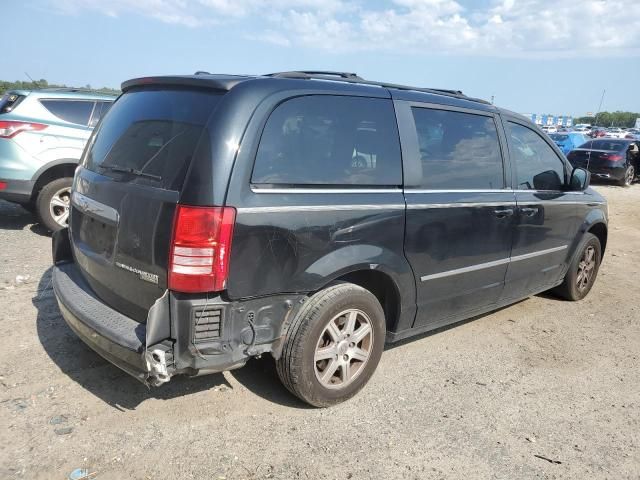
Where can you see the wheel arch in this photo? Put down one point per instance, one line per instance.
(381, 271)
(600, 230)
(383, 287)
(65, 167)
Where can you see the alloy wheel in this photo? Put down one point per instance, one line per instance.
(59, 206)
(343, 349)
(586, 268)
(629, 175)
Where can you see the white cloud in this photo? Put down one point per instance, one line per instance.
(505, 27)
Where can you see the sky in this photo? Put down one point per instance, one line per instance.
(532, 56)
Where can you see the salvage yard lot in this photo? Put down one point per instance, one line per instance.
(544, 389)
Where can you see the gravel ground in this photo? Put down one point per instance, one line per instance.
(542, 389)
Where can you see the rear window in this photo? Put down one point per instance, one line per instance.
(73, 111)
(149, 136)
(558, 137)
(611, 145)
(330, 140)
(10, 101)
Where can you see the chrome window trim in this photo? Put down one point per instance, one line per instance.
(255, 189)
(320, 208)
(494, 263)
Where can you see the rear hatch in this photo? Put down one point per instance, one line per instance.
(126, 192)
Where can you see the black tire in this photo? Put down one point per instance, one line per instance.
(629, 176)
(297, 366)
(569, 289)
(45, 197)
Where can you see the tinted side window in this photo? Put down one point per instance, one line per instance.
(330, 140)
(537, 165)
(458, 150)
(74, 111)
(98, 112)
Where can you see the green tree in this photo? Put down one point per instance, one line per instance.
(43, 83)
(611, 119)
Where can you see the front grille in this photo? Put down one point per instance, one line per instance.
(207, 323)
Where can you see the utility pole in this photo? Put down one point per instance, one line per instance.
(595, 120)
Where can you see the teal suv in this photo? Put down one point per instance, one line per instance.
(42, 136)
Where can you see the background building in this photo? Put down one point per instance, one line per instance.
(547, 119)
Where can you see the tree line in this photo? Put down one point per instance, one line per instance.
(610, 119)
(42, 83)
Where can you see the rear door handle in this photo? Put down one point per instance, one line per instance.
(529, 212)
(503, 212)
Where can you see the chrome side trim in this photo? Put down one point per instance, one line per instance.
(320, 208)
(458, 271)
(557, 202)
(421, 206)
(494, 263)
(325, 190)
(527, 256)
(94, 208)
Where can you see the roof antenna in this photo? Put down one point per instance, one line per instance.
(32, 80)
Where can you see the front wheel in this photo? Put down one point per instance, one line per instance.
(583, 270)
(52, 205)
(333, 345)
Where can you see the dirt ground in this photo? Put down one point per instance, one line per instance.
(542, 389)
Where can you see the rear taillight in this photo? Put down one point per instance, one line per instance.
(614, 158)
(200, 248)
(3, 185)
(9, 129)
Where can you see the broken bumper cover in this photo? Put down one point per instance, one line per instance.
(117, 338)
(155, 351)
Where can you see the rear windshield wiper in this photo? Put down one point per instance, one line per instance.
(132, 171)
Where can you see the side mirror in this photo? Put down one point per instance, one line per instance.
(580, 179)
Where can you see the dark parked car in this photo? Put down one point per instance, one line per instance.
(609, 159)
(313, 216)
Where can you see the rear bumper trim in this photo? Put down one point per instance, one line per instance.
(114, 336)
(18, 191)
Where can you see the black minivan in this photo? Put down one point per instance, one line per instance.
(314, 216)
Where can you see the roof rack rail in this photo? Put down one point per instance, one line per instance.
(354, 78)
(202, 72)
(315, 74)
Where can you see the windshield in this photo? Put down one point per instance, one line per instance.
(149, 136)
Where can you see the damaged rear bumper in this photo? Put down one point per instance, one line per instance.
(175, 338)
(114, 336)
